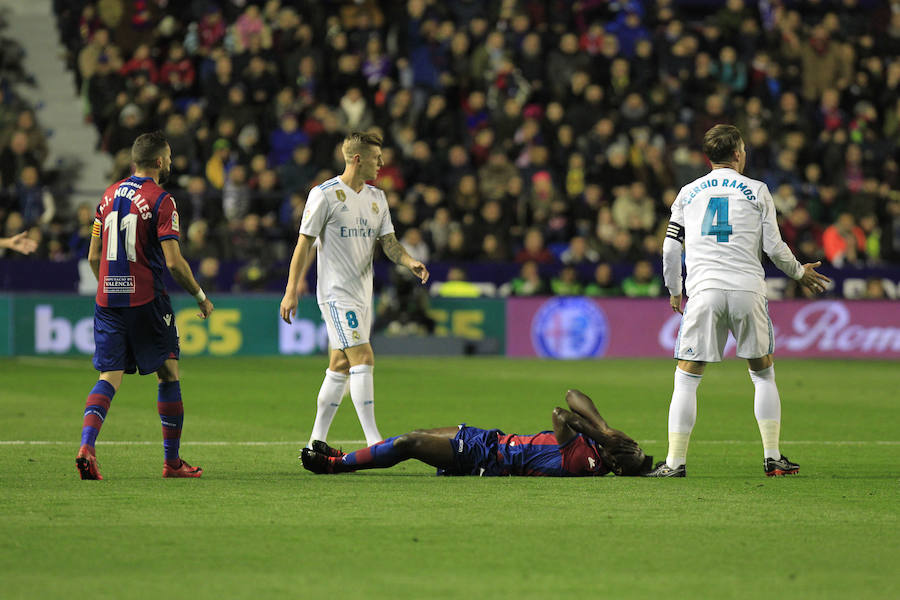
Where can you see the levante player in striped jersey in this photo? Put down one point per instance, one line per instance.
(581, 444)
(135, 235)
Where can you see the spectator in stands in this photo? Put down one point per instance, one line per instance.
(566, 283)
(26, 123)
(579, 252)
(844, 241)
(80, 237)
(643, 282)
(603, 284)
(458, 285)
(529, 281)
(219, 163)
(35, 200)
(125, 130)
(533, 248)
(15, 156)
(462, 88)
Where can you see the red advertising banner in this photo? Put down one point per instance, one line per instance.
(569, 328)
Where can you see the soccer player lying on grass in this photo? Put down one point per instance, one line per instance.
(581, 444)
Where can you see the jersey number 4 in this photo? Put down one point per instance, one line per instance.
(129, 226)
(717, 209)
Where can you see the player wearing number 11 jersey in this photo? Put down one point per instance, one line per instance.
(135, 236)
(725, 221)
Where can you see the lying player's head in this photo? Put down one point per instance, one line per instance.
(724, 145)
(632, 463)
(627, 457)
(151, 151)
(364, 150)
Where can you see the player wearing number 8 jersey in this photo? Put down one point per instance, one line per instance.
(135, 235)
(725, 220)
(345, 218)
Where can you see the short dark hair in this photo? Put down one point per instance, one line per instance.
(147, 148)
(633, 464)
(721, 142)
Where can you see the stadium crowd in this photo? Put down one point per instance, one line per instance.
(540, 132)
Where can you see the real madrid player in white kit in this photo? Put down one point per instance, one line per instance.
(348, 217)
(725, 220)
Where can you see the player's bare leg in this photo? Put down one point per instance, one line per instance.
(432, 449)
(362, 388)
(767, 408)
(171, 415)
(95, 410)
(446, 432)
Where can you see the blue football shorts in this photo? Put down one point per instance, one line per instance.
(135, 338)
(475, 452)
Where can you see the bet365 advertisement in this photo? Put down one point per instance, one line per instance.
(42, 324)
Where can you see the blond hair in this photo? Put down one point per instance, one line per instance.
(358, 142)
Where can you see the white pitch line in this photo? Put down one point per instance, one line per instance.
(359, 442)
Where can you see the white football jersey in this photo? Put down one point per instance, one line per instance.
(725, 221)
(347, 226)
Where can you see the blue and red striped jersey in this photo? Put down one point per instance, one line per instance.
(134, 216)
(541, 454)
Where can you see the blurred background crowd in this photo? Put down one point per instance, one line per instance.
(549, 134)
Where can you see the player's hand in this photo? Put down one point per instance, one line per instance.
(419, 270)
(288, 307)
(675, 303)
(206, 307)
(813, 281)
(21, 243)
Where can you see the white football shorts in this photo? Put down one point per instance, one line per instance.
(710, 314)
(347, 325)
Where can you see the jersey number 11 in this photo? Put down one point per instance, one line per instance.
(717, 209)
(129, 226)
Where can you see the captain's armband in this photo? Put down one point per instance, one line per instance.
(675, 231)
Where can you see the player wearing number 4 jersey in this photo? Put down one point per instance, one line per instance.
(345, 217)
(135, 235)
(725, 220)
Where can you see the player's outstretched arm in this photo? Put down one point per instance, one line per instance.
(395, 251)
(20, 243)
(298, 268)
(812, 280)
(181, 272)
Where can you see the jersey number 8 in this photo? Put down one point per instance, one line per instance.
(352, 321)
(717, 209)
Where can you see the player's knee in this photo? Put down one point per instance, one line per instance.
(407, 442)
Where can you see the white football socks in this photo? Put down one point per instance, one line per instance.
(767, 408)
(362, 392)
(329, 400)
(682, 416)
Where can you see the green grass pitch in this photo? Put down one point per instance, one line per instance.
(258, 526)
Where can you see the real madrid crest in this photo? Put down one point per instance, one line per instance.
(341, 196)
(375, 208)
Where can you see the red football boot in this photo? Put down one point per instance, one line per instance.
(86, 461)
(183, 470)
